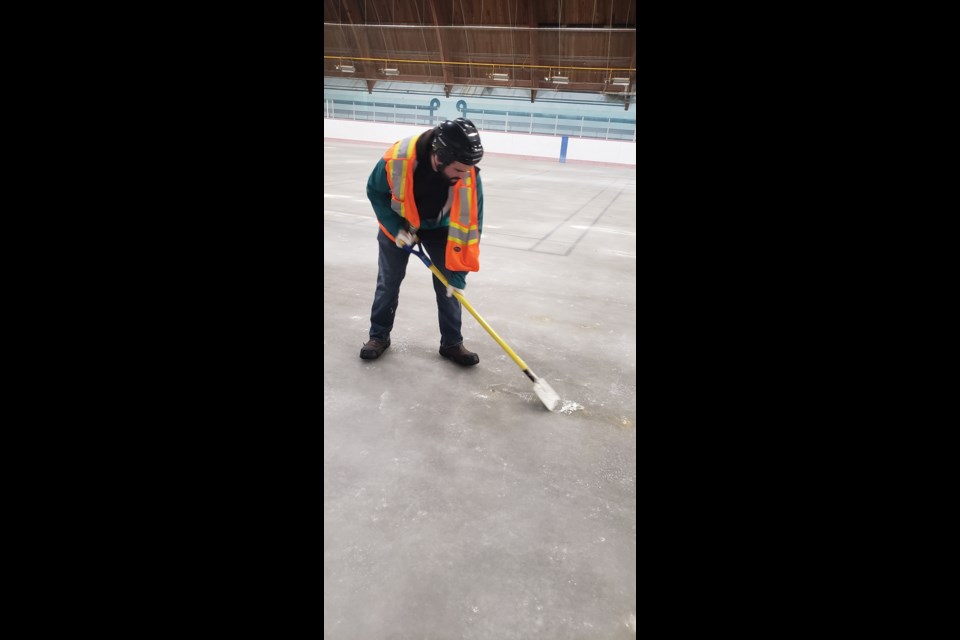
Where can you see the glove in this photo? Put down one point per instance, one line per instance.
(405, 237)
(451, 289)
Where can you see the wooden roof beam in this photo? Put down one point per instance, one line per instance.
(447, 78)
(355, 19)
(534, 49)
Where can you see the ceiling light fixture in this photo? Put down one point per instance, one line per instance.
(560, 80)
(390, 72)
(623, 82)
(499, 76)
(346, 68)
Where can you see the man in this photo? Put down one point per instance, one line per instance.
(427, 188)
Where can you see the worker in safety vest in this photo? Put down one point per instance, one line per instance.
(427, 189)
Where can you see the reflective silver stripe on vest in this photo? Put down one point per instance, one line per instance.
(398, 164)
(464, 219)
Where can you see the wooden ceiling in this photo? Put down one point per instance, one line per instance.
(457, 42)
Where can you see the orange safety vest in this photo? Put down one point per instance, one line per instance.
(463, 236)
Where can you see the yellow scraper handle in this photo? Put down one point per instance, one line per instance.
(483, 323)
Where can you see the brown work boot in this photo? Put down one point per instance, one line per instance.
(460, 355)
(373, 348)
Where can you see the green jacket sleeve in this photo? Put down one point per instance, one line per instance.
(459, 278)
(378, 192)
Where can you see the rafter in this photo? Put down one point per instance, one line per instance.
(429, 43)
(534, 49)
(447, 77)
(355, 19)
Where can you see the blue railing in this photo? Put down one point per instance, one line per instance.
(487, 120)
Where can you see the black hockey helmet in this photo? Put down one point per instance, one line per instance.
(457, 141)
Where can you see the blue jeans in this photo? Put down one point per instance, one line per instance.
(393, 267)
